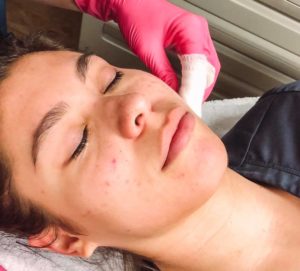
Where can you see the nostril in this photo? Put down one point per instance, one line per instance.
(139, 120)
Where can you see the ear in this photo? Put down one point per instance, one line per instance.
(63, 242)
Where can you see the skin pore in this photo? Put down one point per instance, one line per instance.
(99, 163)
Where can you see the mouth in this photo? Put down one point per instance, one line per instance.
(179, 137)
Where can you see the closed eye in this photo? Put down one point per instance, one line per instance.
(84, 139)
(113, 83)
(82, 144)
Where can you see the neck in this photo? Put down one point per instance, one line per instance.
(234, 230)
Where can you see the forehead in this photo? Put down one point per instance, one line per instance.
(30, 73)
(34, 78)
(33, 65)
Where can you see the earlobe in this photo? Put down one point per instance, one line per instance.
(62, 242)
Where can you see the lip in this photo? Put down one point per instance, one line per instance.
(177, 134)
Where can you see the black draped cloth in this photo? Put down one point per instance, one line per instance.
(264, 146)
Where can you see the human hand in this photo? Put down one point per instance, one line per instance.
(151, 26)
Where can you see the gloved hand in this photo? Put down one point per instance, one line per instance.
(151, 26)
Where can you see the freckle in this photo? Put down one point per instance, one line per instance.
(107, 183)
(182, 175)
(87, 213)
(126, 181)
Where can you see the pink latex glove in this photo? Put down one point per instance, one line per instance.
(150, 26)
(1, 268)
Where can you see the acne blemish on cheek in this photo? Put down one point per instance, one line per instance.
(113, 163)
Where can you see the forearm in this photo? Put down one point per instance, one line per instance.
(67, 4)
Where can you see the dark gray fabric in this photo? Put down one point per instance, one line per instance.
(264, 146)
(3, 27)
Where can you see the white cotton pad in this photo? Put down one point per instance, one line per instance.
(197, 75)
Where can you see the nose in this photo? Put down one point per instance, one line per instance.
(132, 112)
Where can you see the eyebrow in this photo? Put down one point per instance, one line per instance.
(82, 65)
(47, 122)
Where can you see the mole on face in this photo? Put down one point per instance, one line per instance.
(42, 191)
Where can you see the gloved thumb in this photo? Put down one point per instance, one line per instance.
(157, 61)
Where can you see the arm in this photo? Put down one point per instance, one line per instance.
(67, 4)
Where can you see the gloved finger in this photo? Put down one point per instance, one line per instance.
(185, 41)
(194, 39)
(157, 61)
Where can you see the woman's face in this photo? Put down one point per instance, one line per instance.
(100, 153)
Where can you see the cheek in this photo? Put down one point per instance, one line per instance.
(124, 199)
(202, 170)
(105, 187)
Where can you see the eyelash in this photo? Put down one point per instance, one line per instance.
(85, 133)
(82, 143)
(116, 79)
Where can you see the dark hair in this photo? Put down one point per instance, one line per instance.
(19, 216)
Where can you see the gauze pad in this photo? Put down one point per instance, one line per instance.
(197, 75)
